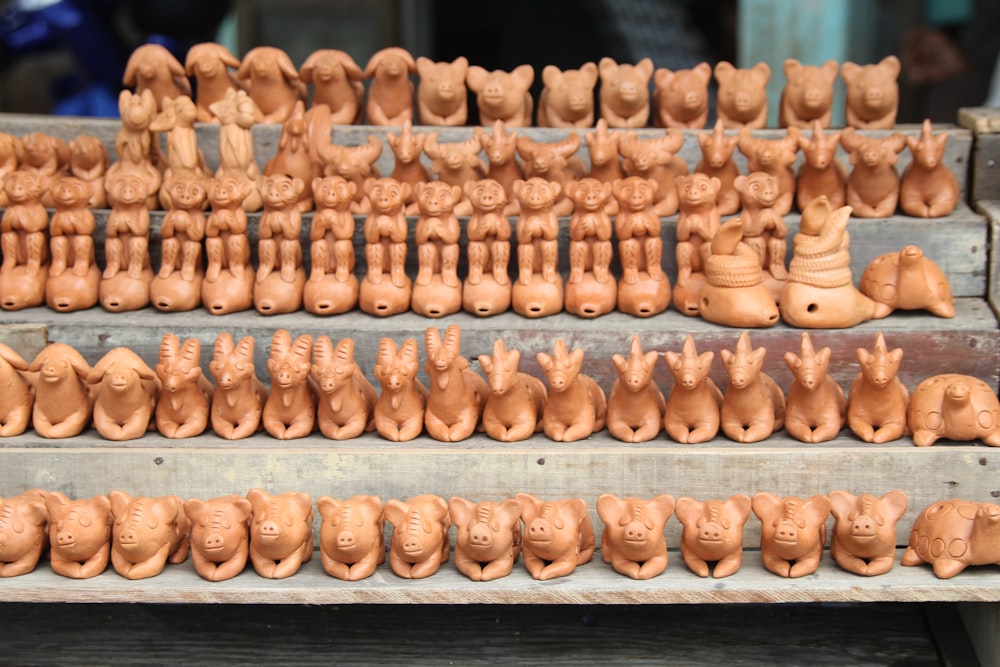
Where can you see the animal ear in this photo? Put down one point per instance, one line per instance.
(645, 68)
(461, 510)
(763, 72)
(740, 502)
(895, 503)
(607, 68)
(167, 508)
(552, 76)
(424, 66)
(819, 506)
(13, 358)
(476, 78)
(195, 509)
(765, 504)
(304, 503)
(662, 78)
(829, 70)
(842, 503)
(610, 507)
(620, 363)
(259, 498)
(792, 360)
(119, 502)
(129, 77)
(524, 74)
(486, 361)
(55, 503)
(649, 359)
(663, 504)
(545, 361)
(373, 64)
(529, 506)
(97, 372)
(589, 72)
(891, 64)
(432, 340)
(395, 512)
(671, 358)
(792, 67)
(223, 346)
(723, 71)
(578, 508)
(327, 506)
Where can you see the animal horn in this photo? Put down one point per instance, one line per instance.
(689, 350)
(410, 352)
(323, 350)
(223, 346)
(560, 348)
(280, 342)
(431, 147)
(168, 347)
(432, 339)
(386, 351)
(925, 130)
(880, 342)
(743, 344)
(807, 346)
(635, 350)
(567, 146)
(191, 351)
(245, 347)
(303, 346)
(453, 339)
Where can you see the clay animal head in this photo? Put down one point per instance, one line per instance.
(872, 92)
(743, 365)
(689, 368)
(879, 366)
(274, 82)
(386, 195)
(333, 192)
(209, 60)
(624, 92)
(757, 190)
(547, 157)
(351, 536)
(636, 371)
(407, 145)
(44, 153)
(742, 94)
(928, 150)
(872, 152)
(333, 368)
(969, 529)
(232, 365)
(644, 155)
(147, 532)
(390, 63)
(60, 390)
(280, 531)
(289, 363)
(561, 368)
(396, 368)
(808, 93)
(227, 192)
(355, 163)
(179, 365)
(442, 90)
(558, 535)
(821, 149)
(136, 110)
(23, 532)
(485, 195)
(79, 530)
(810, 367)
(589, 194)
(793, 532)
(126, 190)
(501, 368)
(769, 155)
(70, 193)
(602, 146)
(186, 193)
(697, 190)
(681, 97)
(503, 95)
(22, 186)
(488, 537)
(419, 535)
(635, 193)
(152, 67)
(336, 81)
(536, 194)
(501, 146)
(864, 530)
(455, 160)
(716, 148)
(713, 531)
(568, 96)
(219, 535)
(123, 375)
(633, 540)
(281, 191)
(87, 152)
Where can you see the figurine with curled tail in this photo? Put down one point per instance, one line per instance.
(734, 293)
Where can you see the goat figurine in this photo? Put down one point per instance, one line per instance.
(517, 400)
(399, 410)
(239, 394)
(457, 393)
(290, 409)
(346, 397)
(183, 407)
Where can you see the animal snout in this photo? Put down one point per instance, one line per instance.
(480, 535)
(128, 536)
(863, 526)
(739, 379)
(270, 529)
(692, 100)
(345, 539)
(786, 532)
(873, 96)
(214, 541)
(743, 101)
(65, 538)
(813, 97)
(540, 531)
(413, 545)
(635, 532)
(710, 532)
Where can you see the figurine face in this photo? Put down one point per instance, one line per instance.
(78, 529)
(436, 198)
(219, 526)
(808, 93)
(281, 525)
(281, 191)
(558, 536)
(697, 189)
(793, 532)
(69, 192)
(872, 90)
(742, 94)
(146, 532)
(23, 528)
(633, 539)
(485, 195)
(333, 192)
(22, 186)
(864, 531)
(713, 531)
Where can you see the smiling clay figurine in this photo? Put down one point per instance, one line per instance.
(487, 289)
(183, 406)
(220, 542)
(332, 287)
(538, 290)
(635, 405)
(488, 538)
(79, 534)
(713, 533)
(644, 289)
(386, 289)
(23, 532)
(864, 530)
(351, 537)
(229, 278)
(281, 536)
(591, 289)
(127, 275)
(147, 534)
(63, 402)
(693, 408)
(420, 542)
(281, 279)
(633, 541)
(177, 286)
(25, 267)
(793, 532)
(437, 290)
(73, 275)
(558, 536)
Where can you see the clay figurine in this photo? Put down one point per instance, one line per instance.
(576, 406)
(229, 278)
(753, 407)
(553, 161)
(186, 394)
(239, 394)
(152, 67)
(24, 271)
(351, 539)
(487, 289)
(332, 286)
(697, 225)
(872, 93)
(501, 155)
(713, 533)
(11, 154)
(138, 154)
(908, 280)
(954, 407)
(488, 537)
(237, 114)
(437, 290)
(281, 536)
(407, 148)
(928, 188)
(633, 541)
(73, 276)
(273, 83)
(602, 147)
(89, 160)
(591, 289)
(126, 399)
(346, 397)
(220, 538)
(644, 289)
(635, 404)
(441, 93)
(539, 288)
(516, 402)
(793, 532)
(17, 397)
(821, 173)
(968, 528)
(79, 535)
(764, 229)
(820, 292)
(655, 159)
(873, 184)
(717, 160)
(209, 63)
(567, 98)
(280, 279)
(63, 405)
(294, 157)
(337, 83)
(693, 408)
(876, 406)
(23, 532)
(775, 157)
(864, 530)
(680, 98)
(457, 393)
(147, 534)
(624, 96)
(419, 535)
(455, 163)
(733, 293)
(807, 97)
(503, 95)
(742, 97)
(399, 410)
(558, 536)
(125, 282)
(183, 159)
(353, 163)
(385, 249)
(47, 157)
(815, 407)
(390, 96)
(290, 409)
(177, 286)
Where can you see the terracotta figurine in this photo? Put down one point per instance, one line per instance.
(487, 289)
(351, 539)
(635, 404)
(680, 98)
(23, 532)
(11, 154)
(808, 94)
(503, 95)
(873, 184)
(558, 536)
(147, 534)
(125, 282)
(399, 410)
(742, 97)
(138, 155)
(968, 528)
(281, 279)
(717, 160)
(385, 249)
(354, 163)
(346, 397)
(503, 166)
(517, 400)
(644, 289)
(419, 535)
(697, 225)
(538, 290)
(390, 96)
(633, 541)
(815, 407)
(455, 163)
(183, 159)
(655, 159)
(602, 148)
(220, 538)
(553, 161)
(237, 114)
(753, 407)
(457, 393)
(908, 280)
(239, 394)
(63, 404)
(152, 67)
(713, 533)
(89, 160)
(281, 536)
(775, 157)
(332, 286)
(793, 532)
(954, 407)
(576, 406)
(73, 276)
(337, 82)
(928, 188)
(273, 83)
(876, 405)
(294, 156)
(733, 293)
(864, 530)
(821, 173)
(229, 278)
(25, 267)
(567, 98)
(47, 157)
(624, 95)
(177, 286)
(693, 408)
(488, 537)
(764, 229)
(209, 63)
(872, 93)
(441, 93)
(591, 289)
(186, 395)
(437, 290)
(79, 534)
(126, 399)
(407, 148)
(17, 398)
(290, 409)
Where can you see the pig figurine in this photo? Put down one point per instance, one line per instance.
(681, 97)
(503, 95)
(713, 532)
(62, 398)
(793, 532)
(351, 538)
(220, 541)
(633, 539)
(808, 94)
(489, 537)
(872, 93)
(864, 530)
(558, 536)
(127, 395)
(23, 532)
(419, 535)
(441, 95)
(567, 99)
(742, 95)
(148, 533)
(624, 96)
(281, 537)
(79, 534)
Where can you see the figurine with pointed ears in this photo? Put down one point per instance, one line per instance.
(346, 397)
(816, 403)
(693, 408)
(633, 541)
(399, 410)
(183, 407)
(290, 409)
(713, 533)
(517, 400)
(636, 405)
(576, 407)
(239, 394)
(753, 406)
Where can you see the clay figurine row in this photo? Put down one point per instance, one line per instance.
(680, 99)
(140, 535)
(321, 386)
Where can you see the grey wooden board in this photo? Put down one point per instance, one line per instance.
(982, 623)
(864, 635)
(481, 469)
(967, 343)
(981, 120)
(991, 209)
(266, 139)
(592, 583)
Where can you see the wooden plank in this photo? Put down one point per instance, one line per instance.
(985, 183)
(593, 583)
(982, 623)
(991, 209)
(480, 468)
(981, 120)
(945, 624)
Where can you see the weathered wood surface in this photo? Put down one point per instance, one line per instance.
(991, 209)
(982, 623)
(984, 177)
(980, 120)
(481, 469)
(966, 344)
(865, 635)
